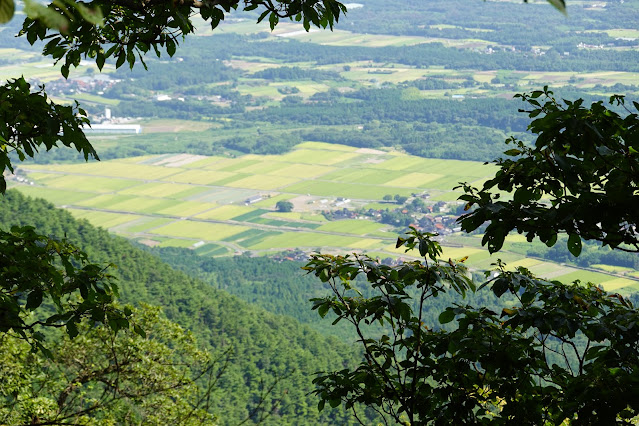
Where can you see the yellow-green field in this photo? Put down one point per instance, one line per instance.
(184, 200)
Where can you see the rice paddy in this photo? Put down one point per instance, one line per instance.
(219, 206)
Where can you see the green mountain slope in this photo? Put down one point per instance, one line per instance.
(266, 346)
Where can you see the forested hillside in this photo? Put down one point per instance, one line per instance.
(266, 347)
(284, 288)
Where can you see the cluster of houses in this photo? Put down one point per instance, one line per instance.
(17, 177)
(302, 256)
(428, 222)
(292, 256)
(91, 83)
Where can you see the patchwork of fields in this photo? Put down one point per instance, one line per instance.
(202, 202)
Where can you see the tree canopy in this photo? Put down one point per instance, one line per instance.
(579, 178)
(557, 352)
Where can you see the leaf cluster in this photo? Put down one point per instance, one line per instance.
(127, 29)
(40, 274)
(579, 178)
(562, 352)
(30, 121)
(116, 379)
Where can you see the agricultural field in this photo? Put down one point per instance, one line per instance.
(225, 202)
(219, 206)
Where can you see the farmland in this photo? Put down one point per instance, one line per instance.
(201, 202)
(330, 127)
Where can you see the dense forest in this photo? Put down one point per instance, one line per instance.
(265, 347)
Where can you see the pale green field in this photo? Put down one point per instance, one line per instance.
(400, 163)
(617, 284)
(233, 165)
(306, 87)
(264, 182)
(384, 74)
(607, 281)
(95, 99)
(526, 263)
(363, 175)
(185, 208)
(36, 177)
(366, 244)
(145, 223)
(222, 195)
(614, 269)
(111, 169)
(89, 183)
(163, 190)
(297, 216)
(270, 202)
(326, 147)
(58, 197)
(354, 226)
(143, 205)
(262, 167)
(347, 38)
(201, 177)
(619, 32)
(202, 230)
(17, 54)
(301, 171)
(353, 191)
(167, 125)
(257, 90)
(107, 220)
(414, 179)
(225, 212)
(204, 162)
(106, 200)
(174, 242)
(307, 156)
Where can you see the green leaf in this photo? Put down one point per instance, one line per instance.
(527, 297)
(72, 329)
(99, 60)
(512, 152)
(170, 47)
(7, 8)
(595, 352)
(91, 15)
(273, 21)
(334, 403)
(121, 59)
(50, 18)
(323, 310)
(574, 244)
(138, 330)
(447, 316)
(34, 299)
(501, 286)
